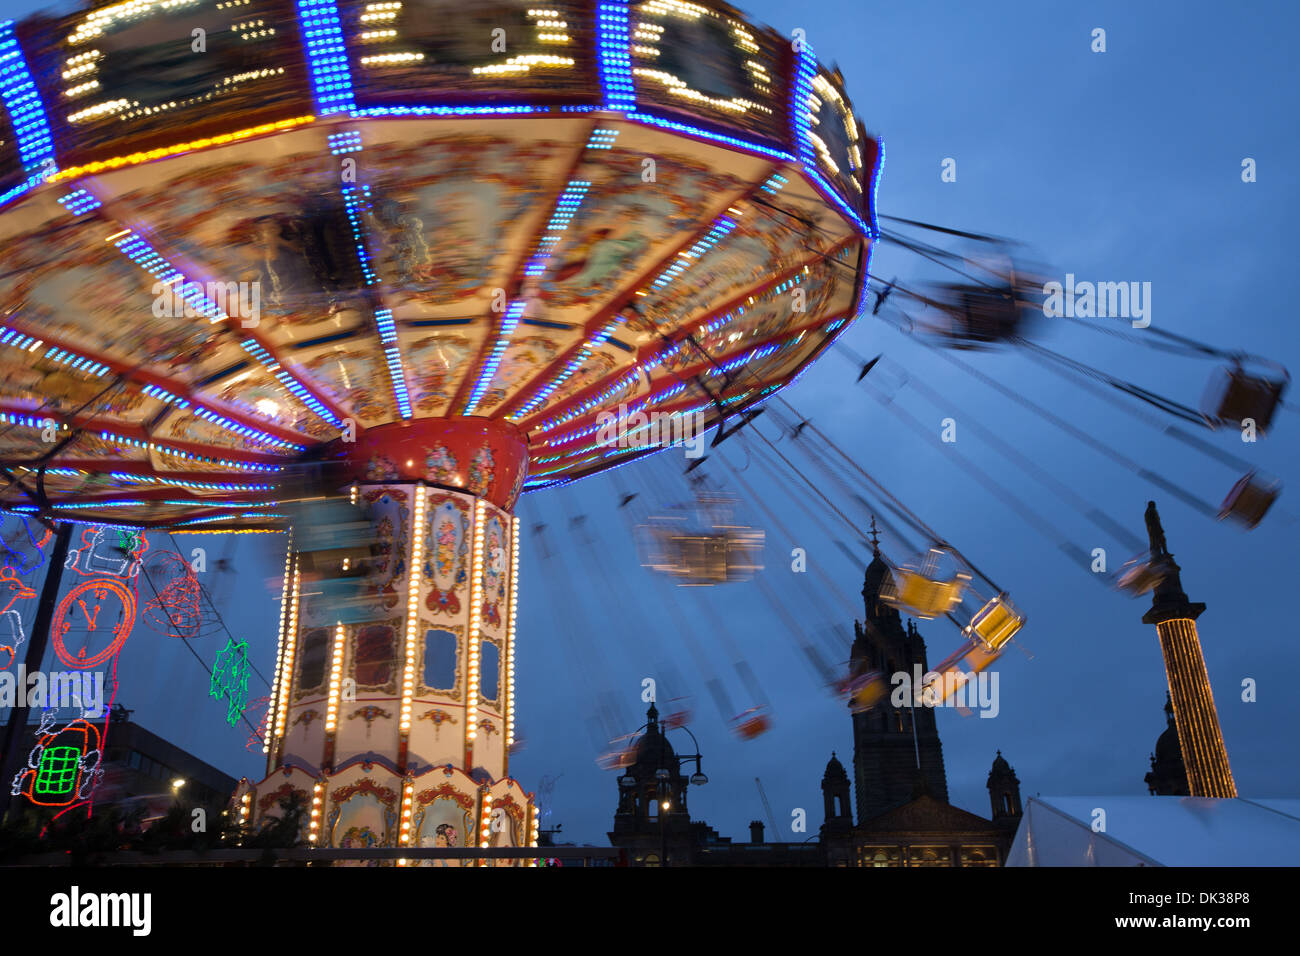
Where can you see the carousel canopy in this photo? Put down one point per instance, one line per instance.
(238, 235)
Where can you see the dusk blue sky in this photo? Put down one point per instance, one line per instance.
(1115, 166)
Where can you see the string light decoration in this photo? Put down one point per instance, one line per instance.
(510, 636)
(317, 797)
(413, 610)
(485, 823)
(230, 679)
(336, 680)
(273, 706)
(176, 610)
(285, 681)
(475, 622)
(405, 837)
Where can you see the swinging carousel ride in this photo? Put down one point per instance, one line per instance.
(418, 247)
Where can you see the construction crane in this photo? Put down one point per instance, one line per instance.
(768, 807)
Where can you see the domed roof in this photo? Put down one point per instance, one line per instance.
(1001, 769)
(654, 749)
(1168, 749)
(834, 769)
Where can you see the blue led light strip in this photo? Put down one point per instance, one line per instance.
(187, 456)
(573, 365)
(147, 258)
(746, 145)
(23, 102)
(388, 336)
(457, 110)
(721, 226)
(801, 95)
(79, 202)
(327, 56)
(614, 35)
(602, 139)
(355, 195)
(509, 322)
(566, 207)
(246, 431)
(267, 361)
(74, 361)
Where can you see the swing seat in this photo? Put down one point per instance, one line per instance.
(866, 690)
(701, 559)
(1250, 499)
(1139, 576)
(994, 624)
(1234, 395)
(982, 316)
(751, 724)
(917, 590)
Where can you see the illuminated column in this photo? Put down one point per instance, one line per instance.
(420, 540)
(1199, 736)
(284, 674)
(509, 689)
(336, 686)
(287, 593)
(473, 641)
(396, 726)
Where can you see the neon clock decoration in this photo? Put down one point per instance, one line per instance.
(107, 606)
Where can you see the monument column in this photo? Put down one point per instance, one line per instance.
(1197, 720)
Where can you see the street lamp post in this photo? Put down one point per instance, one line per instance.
(663, 785)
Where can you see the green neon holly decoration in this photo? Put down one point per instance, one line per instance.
(128, 541)
(230, 679)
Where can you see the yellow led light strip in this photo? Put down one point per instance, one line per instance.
(405, 836)
(316, 797)
(413, 609)
(336, 679)
(134, 159)
(291, 641)
(510, 635)
(273, 707)
(475, 615)
(485, 825)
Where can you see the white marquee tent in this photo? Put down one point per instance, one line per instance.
(1157, 831)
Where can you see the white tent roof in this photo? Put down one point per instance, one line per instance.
(1157, 831)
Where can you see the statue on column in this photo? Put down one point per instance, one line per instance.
(1155, 532)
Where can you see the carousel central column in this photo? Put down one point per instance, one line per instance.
(396, 729)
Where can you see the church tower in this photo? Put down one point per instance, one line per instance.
(1199, 737)
(1004, 793)
(896, 750)
(835, 800)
